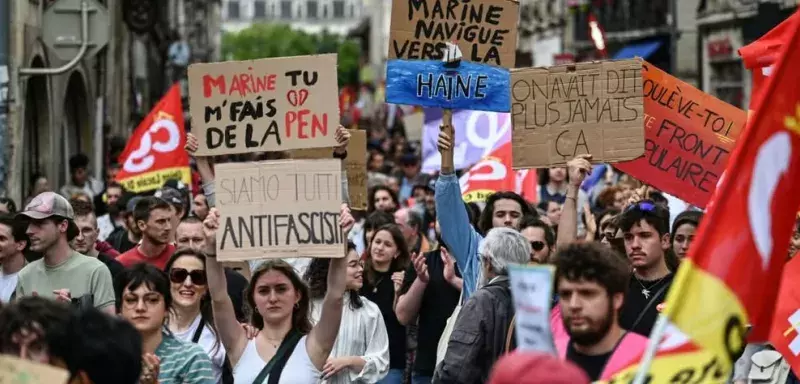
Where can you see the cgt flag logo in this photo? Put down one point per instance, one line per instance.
(794, 323)
(155, 152)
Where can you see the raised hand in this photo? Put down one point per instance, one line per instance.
(346, 220)
(210, 227)
(342, 136)
(191, 144)
(578, 168)
(397, 279)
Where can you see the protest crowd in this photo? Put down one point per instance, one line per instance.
(383, 258)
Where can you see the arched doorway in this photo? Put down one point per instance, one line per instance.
(35, 130)
(76, 128)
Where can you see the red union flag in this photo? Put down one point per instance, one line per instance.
(785, 333)
(491, 174)
(731, 276)
(155, 152)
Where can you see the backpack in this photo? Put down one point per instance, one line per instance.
(769, 367)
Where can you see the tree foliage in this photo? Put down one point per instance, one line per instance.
(279, 40)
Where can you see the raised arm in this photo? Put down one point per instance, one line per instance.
(458, 234)
(231, 333)
(577, 169)
(322, 337)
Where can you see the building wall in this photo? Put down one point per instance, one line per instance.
(686, 55)
(300, 17)
(51, 117)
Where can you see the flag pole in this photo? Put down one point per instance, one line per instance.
(652, 347)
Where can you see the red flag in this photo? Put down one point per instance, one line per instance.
(761, 55)
(730, 278)
(491, 174)
(155, 152)
(785, 334)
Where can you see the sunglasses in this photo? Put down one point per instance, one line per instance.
(537, 245)
(178, 276)
(647, 206)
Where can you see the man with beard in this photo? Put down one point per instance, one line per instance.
(61, 272)
(645, 231)
(111, 220)
(591, 282)
(86, 240)
(153, 217)
(430, 290)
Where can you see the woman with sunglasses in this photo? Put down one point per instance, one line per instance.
(288, 349)
(361, 351)
(191, 319)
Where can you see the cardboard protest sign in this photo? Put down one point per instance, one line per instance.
(431, 83)
(264, 105)
(689, 136)
(355, 165)
(16, 370)
(485, 30)
(280, 208)
(413, 124)
(563, 111)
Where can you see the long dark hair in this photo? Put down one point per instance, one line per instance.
(206, 312)
(317, 278)
(399, 263)
(300, 320)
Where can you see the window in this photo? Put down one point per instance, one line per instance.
(312, 11)
(286, 9)
(325, 11)
(260, 9)
(352, 10)
(233, 9)
(338, 9)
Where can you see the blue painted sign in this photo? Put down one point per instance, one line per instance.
(432, 83)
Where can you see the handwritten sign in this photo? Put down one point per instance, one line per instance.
(264, 105)
(277, 209)
(689, 136)
(17, 371)
(531, 290)
(431, 83)
(355, 165)
(485, 30)
(563, 111)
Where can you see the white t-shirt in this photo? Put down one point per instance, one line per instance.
(8, 284)
(207, 341)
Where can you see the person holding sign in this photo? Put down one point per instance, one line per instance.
(503, 209)
(287, 350)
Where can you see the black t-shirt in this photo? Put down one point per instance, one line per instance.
(115, 267)
(438, 302)
(592, 365)
(382, 294)
(635, 303)
(119, 240)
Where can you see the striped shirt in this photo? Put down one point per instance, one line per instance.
(183, 363)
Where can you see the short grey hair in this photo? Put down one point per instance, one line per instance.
(503, 246)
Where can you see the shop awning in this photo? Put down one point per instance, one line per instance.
(643, 50)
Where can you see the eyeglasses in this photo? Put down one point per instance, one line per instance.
(537, 245)
(647, 206)
(178, 276)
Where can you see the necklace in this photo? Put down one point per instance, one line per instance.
(377, 283)
(274, 342)
(646, 290)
